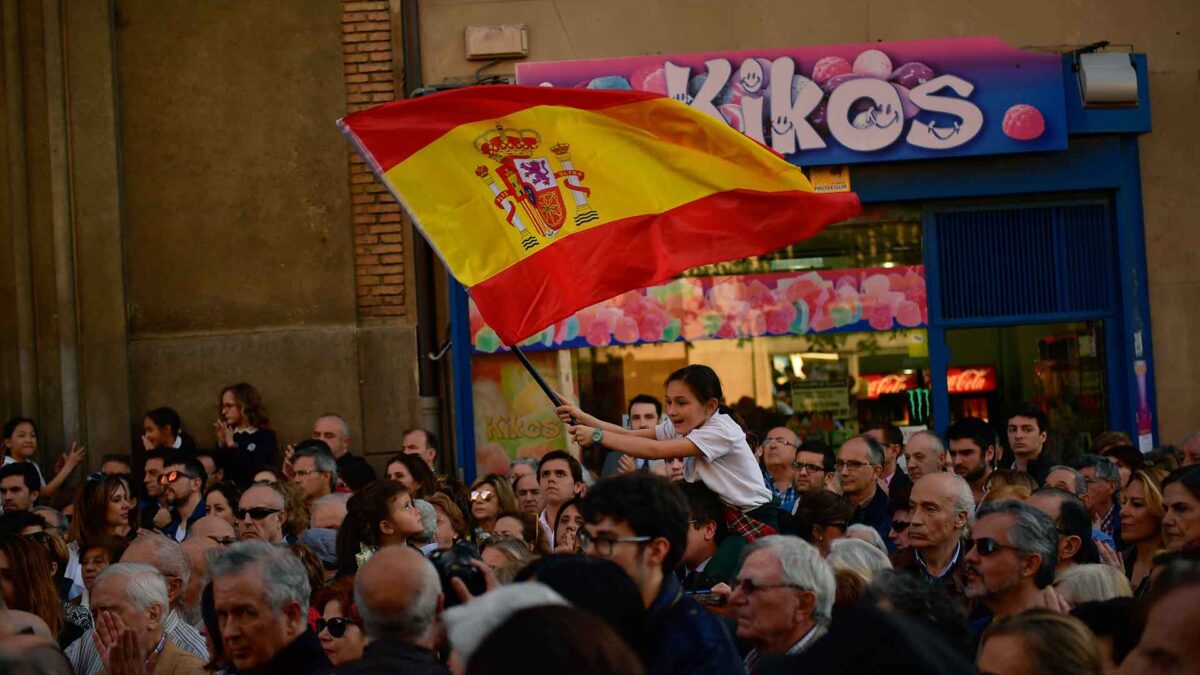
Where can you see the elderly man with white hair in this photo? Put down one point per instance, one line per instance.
(941, 510)
(924, 455)
(166, 556)
(260, 593)
(783, 598)
(130, 602)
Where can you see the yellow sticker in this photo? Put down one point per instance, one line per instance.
(830, 178)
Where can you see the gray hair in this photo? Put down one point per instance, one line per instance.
(935, 441)
(802, 566)
(875, 452)
(871, 533)
(1033, 532)
(964, 500)
(857, 556)
(1080, 481)
(514, 549)
(428, 520)
(283, 575)
(413, 620)
(1106, 469)
(60, 518)
(322, 458)
(341, 422)
(334, 498)
(1094, 583)
(144, 585)
(169, 557)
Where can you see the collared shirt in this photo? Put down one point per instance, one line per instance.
(85, 658)
(787, 498)
(930, 576)
(1110, 524)
(752, 658)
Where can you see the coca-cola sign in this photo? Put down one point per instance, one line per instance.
(959, 380)
(971, 380)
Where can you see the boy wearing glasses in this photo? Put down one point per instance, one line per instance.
(640, 522)
(182, 481)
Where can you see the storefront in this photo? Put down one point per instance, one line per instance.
(999, 257)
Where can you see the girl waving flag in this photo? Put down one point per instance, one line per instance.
(700, 430)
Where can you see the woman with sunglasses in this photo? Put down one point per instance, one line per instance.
(491, 496)
(339, 628)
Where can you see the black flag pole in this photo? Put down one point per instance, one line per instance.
(537, 377)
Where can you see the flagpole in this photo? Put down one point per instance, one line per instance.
(537, 377)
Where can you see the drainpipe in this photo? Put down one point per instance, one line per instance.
(424, 266)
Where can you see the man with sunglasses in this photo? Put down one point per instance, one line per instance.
(182, 480)
(1010, 565)
(941, 509)
(779, 458)
(783, 597)
(260, 515)
(859, 464)
(640, 522)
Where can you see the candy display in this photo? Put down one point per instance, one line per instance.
(727, 307)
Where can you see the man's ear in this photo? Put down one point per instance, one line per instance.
(295, 617)
(656, 551)
(33, 495)
(1070, 546)
(806, 605)
(155, 614)
(174, 588)
(710, 530)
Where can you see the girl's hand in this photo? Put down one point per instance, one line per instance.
(288, 469)
(582, 435)
(626, 464)
(224, 434)
(569, 413)
(74, 457)
(146, 442)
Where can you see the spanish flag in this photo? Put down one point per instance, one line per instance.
(543, 201)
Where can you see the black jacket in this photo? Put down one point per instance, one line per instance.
(386, 656)
(354, 471)
(303, 656)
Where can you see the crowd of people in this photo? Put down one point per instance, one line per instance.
(694, 550)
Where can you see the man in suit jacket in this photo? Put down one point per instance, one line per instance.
(713, 555)
(130, 601)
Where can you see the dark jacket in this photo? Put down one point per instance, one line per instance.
(875, 515)
(953, 581)
(386, 656)
(172, 527)
(722, 567)
(303, 656)
(354, 471)
(686, 638)
(254, 451)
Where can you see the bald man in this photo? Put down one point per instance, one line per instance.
(779, 454)
(941, 508)
(398, 594)
(261, 514)
(214, 528)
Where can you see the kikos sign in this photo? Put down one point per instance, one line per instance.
(854, 103)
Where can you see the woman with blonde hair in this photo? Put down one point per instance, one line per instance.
(1005, 492)
(1142, 514)
(857, 556)
(1078, 584)
(491, 496)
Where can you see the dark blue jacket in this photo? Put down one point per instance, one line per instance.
(875, 515)
(686, 638)
(176, 518)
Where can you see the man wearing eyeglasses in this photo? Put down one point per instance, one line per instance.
(783, 597)
(1010, 565)
(941, 508)
(813, 470)
(182, 480)
(314, 470)
(260, 515)
(859, 463)
(640, 522)
(778, 458)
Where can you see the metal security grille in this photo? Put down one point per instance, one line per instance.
(1024, 263)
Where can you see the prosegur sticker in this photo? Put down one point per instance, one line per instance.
(830, 178)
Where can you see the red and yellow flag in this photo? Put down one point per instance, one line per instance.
(543, 201)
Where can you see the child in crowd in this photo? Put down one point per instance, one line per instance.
(700, 430)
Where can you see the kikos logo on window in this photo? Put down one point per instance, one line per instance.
(864, 106)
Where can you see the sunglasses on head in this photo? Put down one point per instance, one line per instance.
(256, 513)
(336, 626)
(172, 476)
(39, 537)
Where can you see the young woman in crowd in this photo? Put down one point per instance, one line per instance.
(567, 522)
(163, 430)
(1141, 525)
(822, 518)
(245, 440)
(491, 496)
(450, 522)
(222, 500)
(340, 627)
(381, 514)
(20, 444)
(104, 505)
(27, 585)
(699, 429)
(1181, 506)
(413, 473)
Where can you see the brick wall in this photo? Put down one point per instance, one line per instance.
(378, 220)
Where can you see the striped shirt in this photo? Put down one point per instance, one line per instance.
(85, 658)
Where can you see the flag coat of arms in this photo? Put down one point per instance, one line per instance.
(543, 201)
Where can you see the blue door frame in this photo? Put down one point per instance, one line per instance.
(1102, 158)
